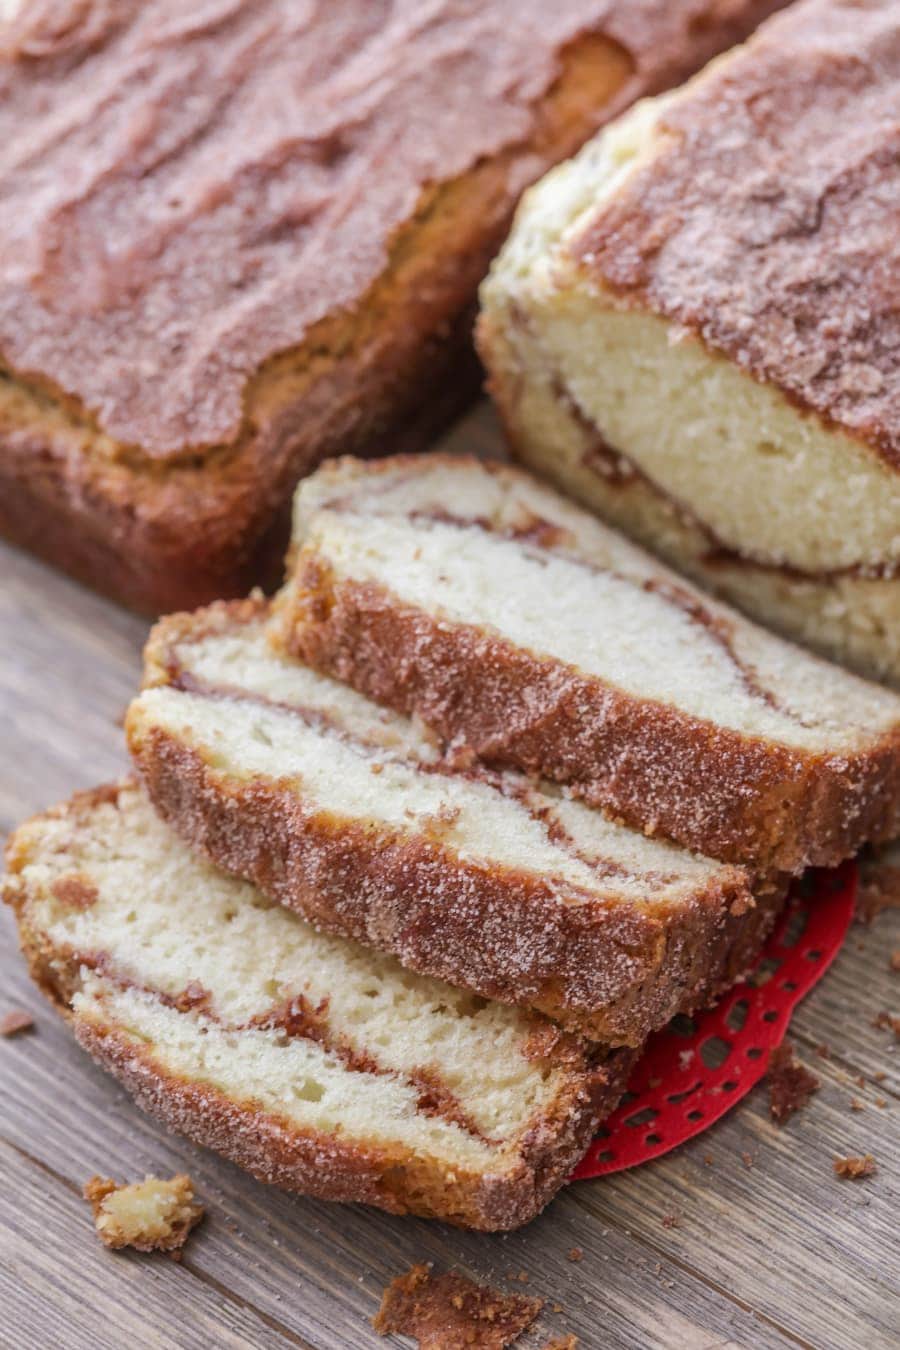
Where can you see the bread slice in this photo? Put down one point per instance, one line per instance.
(310, 1061)
(520, 628)
(320, 190)
(350, 815)
(693, 328)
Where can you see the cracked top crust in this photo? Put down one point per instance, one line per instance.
(188, 190)
(766, 221)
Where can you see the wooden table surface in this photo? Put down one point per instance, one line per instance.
(776, 1254)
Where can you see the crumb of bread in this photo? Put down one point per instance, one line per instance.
(451, 1312)
(150, 1215)
(853, 1169)
(791, 1084)
(856, 1104)
(886, 1021)
(894, 962)
(575, 1254)
(15, 1021)
(747, 1159)
(569, 1342)
(879, 889)
(671, 1221)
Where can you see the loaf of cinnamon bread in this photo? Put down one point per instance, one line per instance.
(350, 815)
(309, 1060)
(694, 328)
(238, 238)
(522, 630)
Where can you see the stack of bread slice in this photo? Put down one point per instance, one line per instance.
(422, 851)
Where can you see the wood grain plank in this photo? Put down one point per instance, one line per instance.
(766, 1231)
(857, 988)
(59, 1288)
(72, 662)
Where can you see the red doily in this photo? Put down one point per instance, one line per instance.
(697, 1068)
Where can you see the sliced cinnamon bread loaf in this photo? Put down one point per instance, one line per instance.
(350, 815)
(521, 629)
(307, 1059)
(694, 328)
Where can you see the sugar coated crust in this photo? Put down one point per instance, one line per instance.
(264, 307)
(610, 968)
(767, 220)
(728, 794)
(691, 328)
(332, 1165)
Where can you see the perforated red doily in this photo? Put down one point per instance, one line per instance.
(697, 1068)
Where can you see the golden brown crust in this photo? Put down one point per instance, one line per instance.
(725, 794)
(606, 971)
(173, 538)
(611, 971)
(329, 1165)
(175, 535)
(333, 1168)
(211, 521)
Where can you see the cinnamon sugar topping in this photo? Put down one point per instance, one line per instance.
(767, 222)
(451, 1312)
(252, 163)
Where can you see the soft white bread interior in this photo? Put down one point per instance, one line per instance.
(308, 1059)
(788, 512)
(351, 815)
(516, 623)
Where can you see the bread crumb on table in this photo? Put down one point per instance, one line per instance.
(575, 1254)
(854, 1169)
(791, 1084)
(15, 1021)
(886, 1021)
(879, 889)
(152, 1215)
(451, 1312)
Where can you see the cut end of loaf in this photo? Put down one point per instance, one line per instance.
(644, 360)
(523, 631)
(353, 816)
(314, 1063)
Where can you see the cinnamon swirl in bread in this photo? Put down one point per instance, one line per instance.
(310, 1061)
(350, 815)
(522, 630)
(694, 328)
(237, 239)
